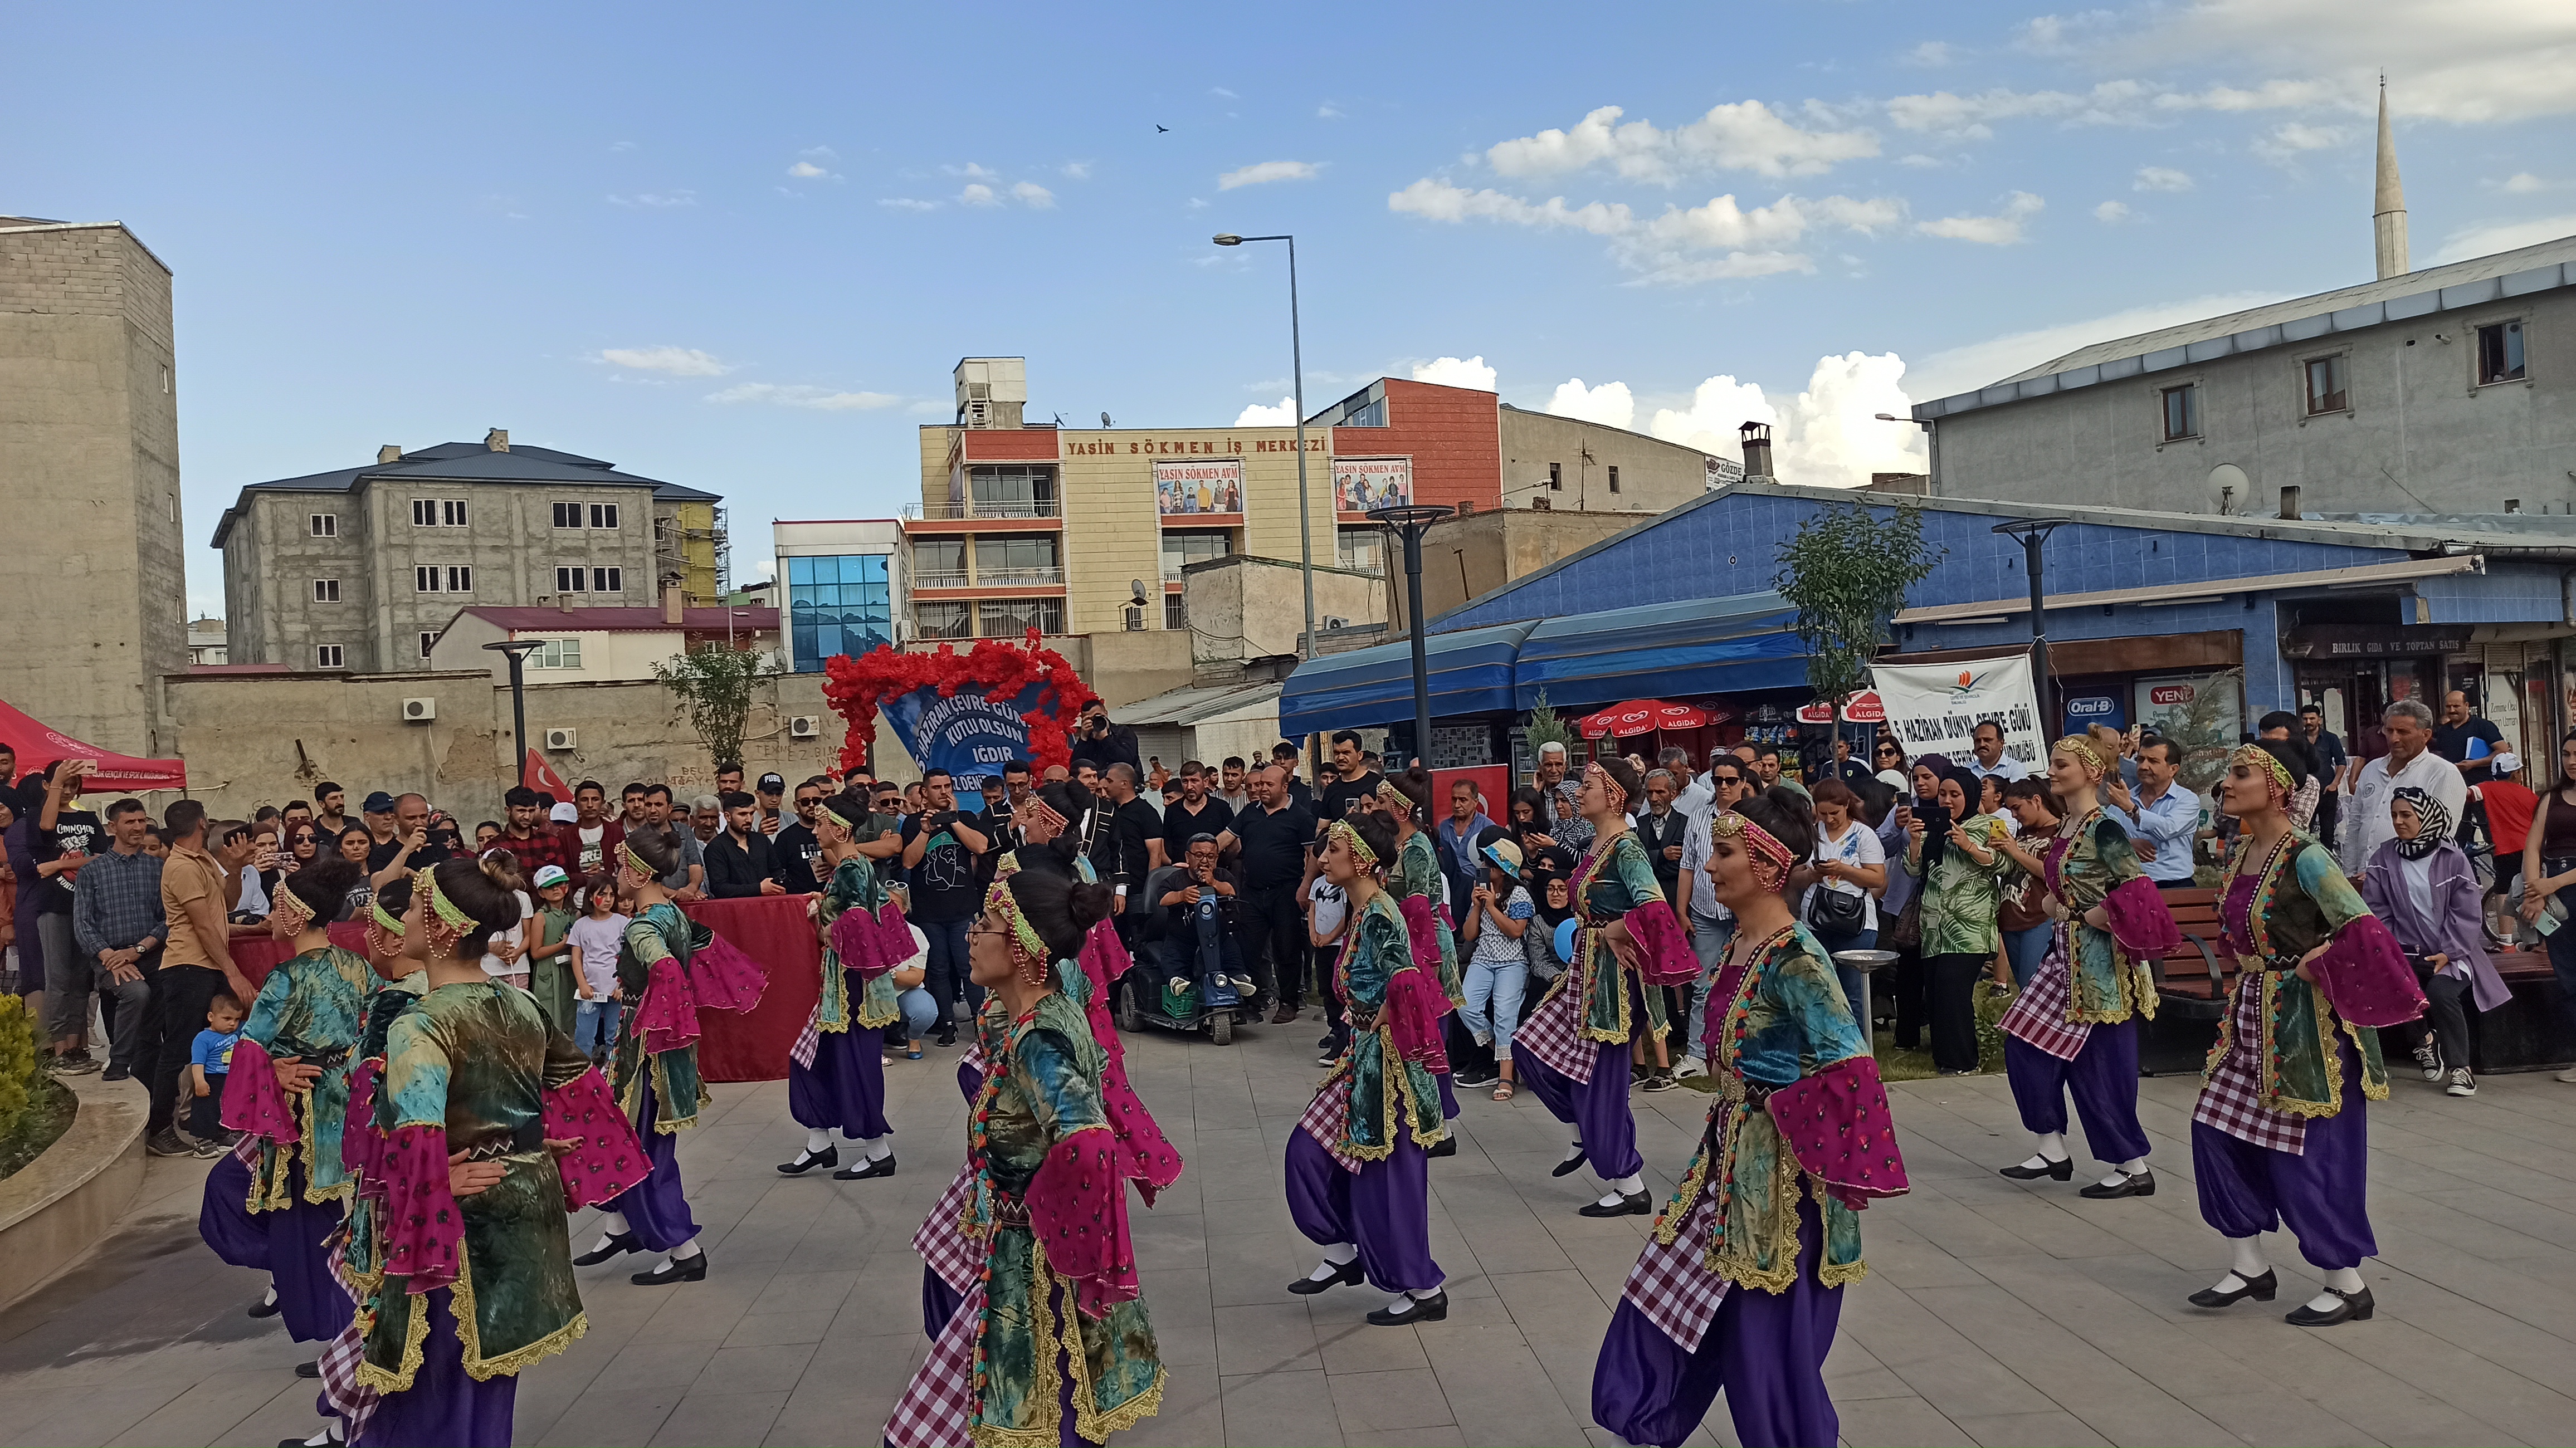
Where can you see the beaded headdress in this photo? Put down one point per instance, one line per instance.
(1351, 841)
(383, 928)
(287, 910)
(634, 863)
(1761, 843)
(1029, 953)
(444, 919)
(836, 817)
(1043, 816)
(2084, 749)
(1611, 789)
(2276, 773)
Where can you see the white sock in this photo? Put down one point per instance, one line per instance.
(2346, 1280)
(1629, 1186)
(1402, 1302)
(2052, 1146)
(614, 1223)
(271, 1299)
(1342, 1253)
(2249, 1257)
(1425, 1294)
(875, 1148)
(330, 1434)
(685, 1250)
(817, 1141)
(2134, 1165)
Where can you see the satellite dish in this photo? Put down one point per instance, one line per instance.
(2230, 490)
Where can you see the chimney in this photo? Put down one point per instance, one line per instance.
(675, 604)
(1755, 443)
(564, 602)
(390, 453)
(498, 439)
(2290, 502)
(2388, 202)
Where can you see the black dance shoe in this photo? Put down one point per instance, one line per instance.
(1630, 1204)
(1416, 1309)
(2259, 1288)
(693, 1270)
(808, 1160)
(860, 1171)
(266, 1307)
(2062, 1169)
(1571, 1164)
(2130, 1184)
(1350, 1274)
(2354, 1307)
(1448, 1147)
(617, 1244)
(314, 1369)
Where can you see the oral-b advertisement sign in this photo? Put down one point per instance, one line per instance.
(1936, 708)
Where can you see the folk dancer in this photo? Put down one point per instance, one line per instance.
(2279, 1134)
(1421, 893)
(672, 969)
(1573, 1049)
(1740, 1284)
(2074, 1028)
(1053, 1344)
(836, 1069)
(1359, 1160)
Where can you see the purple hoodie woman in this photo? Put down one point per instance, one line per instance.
(2421, 885)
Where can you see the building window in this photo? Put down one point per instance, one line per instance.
(431, 578)
(603, 515)
(2500, 353)
(556, 654)
(844, 604)
(1556, 477)
(1184, 547)
(935, 621)
(608, 580)
(1362, 549)
(326, 590)
(1176, 611)
(323, 525)
(939, 563)
(428, 641)
(567, 515)
(438, 512)
(568, 580)
(572, 577)
(1012, 492)
(326, 656)
(1009, 618)
(1016, 560)
(2182, 412)
(2326, 385)
(1614, 477)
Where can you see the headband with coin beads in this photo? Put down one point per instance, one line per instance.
(444, 919)
(288, 908)
(1764, 845)
(2084, 749)
(1351, 841)
(1611, 788)
(2276, 773)
(1029, 953)
(635, 863)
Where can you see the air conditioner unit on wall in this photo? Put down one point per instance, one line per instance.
(804, 726)
(561, 739)
(419, 711)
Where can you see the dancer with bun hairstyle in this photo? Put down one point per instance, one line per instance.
(1421, 892)
(1572, 1050)
(671, 969)
(835, 1071)
(1051, 1344)
(487, 1129)
(1741, 1281)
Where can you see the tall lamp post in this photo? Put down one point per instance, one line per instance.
(1410, 521)
(1297, 365)
(518, 650)
(2033, 532)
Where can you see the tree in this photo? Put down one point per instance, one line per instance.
(714, 683)
(1846, 573)
(1546, 728)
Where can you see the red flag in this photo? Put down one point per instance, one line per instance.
(541, 777)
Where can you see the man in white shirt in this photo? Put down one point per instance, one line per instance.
(2410, 760)
(1988, 741)
(1709, 924)
(1693, 797)
(1236, 793)
(2160, 818)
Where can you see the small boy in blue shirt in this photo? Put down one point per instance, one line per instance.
(210, 1061)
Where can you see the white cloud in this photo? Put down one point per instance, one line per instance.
(1076, 170)
(978, 194)
(1327, 112)
(906, 203)
(819, 153)
(821, 399)
(2464, 61)
(1919, 161)
(1718, 407)
(2161, 178)
(1218, 90)
(1738, 136)
(1256, 415)
(2489, 238)
(1262, 172)
(765, 568)
(1756, 240)
(2111, 212)
(656, 200)
(1033, 195)
(1826, 436)
(674, 361)
(2288, 141)
(973, 171)
(622, 146)
(1973, 116)
(1470, 372)
(2522, 183)
(1931, 54)
(1440, 201)
(2004, 228)
(808, 171)
(1965, 368)
(1608, 404)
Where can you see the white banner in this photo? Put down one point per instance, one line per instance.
(1935, 708)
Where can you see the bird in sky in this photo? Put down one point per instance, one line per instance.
(1158, 130)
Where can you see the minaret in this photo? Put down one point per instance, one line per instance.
(2388, 205)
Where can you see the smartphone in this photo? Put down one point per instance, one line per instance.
(1935, 817)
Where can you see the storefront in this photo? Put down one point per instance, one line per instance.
(2353, 671)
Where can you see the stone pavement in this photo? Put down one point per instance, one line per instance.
(1995, 1313)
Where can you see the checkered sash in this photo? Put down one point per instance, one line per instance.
(1328, 1116)
(2038, 1018)
(354, 1401)
(808, 1040)
(943, 1245)
(2231, 1100)
(1552, 1034)
(1672, 1285)
(246, 1151)
(936, 1406)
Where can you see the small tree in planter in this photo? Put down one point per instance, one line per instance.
(1846, 572)
(714, 684)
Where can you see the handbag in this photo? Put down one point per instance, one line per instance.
(1836, 913)
(1905, 936)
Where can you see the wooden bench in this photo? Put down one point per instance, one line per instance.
(2192, 979)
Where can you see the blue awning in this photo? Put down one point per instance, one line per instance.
(1471, 673)
(1669, 650)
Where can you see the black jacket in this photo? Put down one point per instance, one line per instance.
(733, 870)
(1117, 745)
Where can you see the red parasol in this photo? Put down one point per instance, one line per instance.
(38, 746)
(1864, 707)
(1639, 716)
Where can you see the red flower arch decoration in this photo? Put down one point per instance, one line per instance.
(996, 668)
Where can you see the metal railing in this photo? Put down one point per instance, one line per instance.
(941, 580)
(1017, 577)
(951, 510)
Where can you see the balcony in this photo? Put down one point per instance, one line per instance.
(941, 580)
(1018, 577)
(949, 510)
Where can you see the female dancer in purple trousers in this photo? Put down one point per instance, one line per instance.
(1740, 1285)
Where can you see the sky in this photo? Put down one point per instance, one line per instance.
(742, 247)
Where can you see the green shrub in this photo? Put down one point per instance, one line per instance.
(21, 1061)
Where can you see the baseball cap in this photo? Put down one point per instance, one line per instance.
(377, 803)
(773, 784)
(2506, 762)
(551, 875)
(563, 814)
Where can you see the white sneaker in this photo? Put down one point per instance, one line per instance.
(2429, 1056)
(1689, 1067)
(2568, 1076)
(2462, 1083)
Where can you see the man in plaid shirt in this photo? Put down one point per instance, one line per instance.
(117, 923)
(528, 841)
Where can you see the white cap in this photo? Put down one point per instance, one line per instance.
(2506, 762)
(563, 814)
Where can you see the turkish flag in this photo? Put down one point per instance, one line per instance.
(541, 777)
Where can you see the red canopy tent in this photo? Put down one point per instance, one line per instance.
(1639, 716)
(39, 746)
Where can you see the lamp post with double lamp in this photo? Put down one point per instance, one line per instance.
(1931, 447)
(1297, 365)
(518, 650)
(2032, 532)
(1410, 521)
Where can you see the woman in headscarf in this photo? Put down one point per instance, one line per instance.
(2074, 1030)
(2279, 1136)
(2421, 885)
(1955, 856)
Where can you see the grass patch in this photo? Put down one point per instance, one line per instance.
(48, 1115)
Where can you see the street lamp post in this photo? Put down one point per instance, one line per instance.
(518, 650)
(2032, 532)
(1410, 521)
(1297, 365)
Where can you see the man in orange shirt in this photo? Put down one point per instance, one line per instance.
(198, 889)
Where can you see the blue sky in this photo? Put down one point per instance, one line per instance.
(741, 247)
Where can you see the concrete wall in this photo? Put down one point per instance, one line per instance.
(1245, 608)
(89, 453)
(263, 738)
(1653, 474)
(1464, 558)
(2420, 436)
(607, 656)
